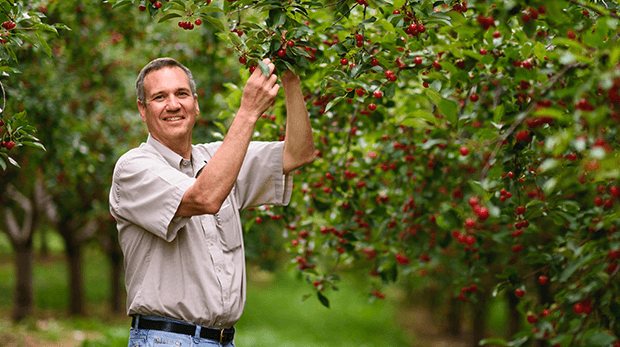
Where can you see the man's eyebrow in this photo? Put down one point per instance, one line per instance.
(182, 89)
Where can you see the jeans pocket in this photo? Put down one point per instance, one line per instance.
(137, 338)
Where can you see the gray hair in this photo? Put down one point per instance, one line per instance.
(159, 64)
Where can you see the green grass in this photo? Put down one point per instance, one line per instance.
(274, 315)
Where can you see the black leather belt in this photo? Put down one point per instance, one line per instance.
(222, 335)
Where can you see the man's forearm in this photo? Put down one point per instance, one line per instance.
(298, 141)
(218, 177)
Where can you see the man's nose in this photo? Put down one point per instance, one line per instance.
(173, 103)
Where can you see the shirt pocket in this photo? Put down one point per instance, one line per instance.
(228, 228)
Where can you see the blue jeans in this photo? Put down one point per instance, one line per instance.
(158, 338)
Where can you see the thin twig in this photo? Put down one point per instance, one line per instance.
(344, 15)
(3, 98)
(525, 116)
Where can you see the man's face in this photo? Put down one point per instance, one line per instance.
(170, 109)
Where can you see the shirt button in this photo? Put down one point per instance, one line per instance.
(219, 270)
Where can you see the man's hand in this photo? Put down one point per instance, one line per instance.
(259, 92)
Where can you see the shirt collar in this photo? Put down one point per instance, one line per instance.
(169, 155)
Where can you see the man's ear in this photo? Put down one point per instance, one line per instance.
(142, 110)
(197, 105)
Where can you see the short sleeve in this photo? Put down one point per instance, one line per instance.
(147, 192)
(261, 180)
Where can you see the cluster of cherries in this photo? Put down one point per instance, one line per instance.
(8, 25)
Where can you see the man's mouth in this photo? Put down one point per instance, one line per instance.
(172, 119)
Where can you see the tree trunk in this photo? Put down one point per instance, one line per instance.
(479, 320)
(76, 278)
(21, 239)
(455, 317)
(24, 292)
(514, 317)
(116, 283)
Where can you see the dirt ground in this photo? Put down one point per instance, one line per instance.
(426, 330)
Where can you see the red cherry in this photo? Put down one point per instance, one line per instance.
(344, 61)
(464, 150)
(474, 97)
(531, 319)
(519, 293)
(483, 213)
(141, 8)
(243, 60)
(396, 12)
(252, 68)
(497, 34)
(520, 210)
(436, 64)
(157, 4)
(417, 60)
(378, 94)
(198, 21)
(9, 145)
(281, 53)
(372, 107)
(290, 43)
(374, 61)
(360, 92)
(483, 51)
(523, 136)
(571, 34)
(598, 201)
(542, 279)
(259, 220)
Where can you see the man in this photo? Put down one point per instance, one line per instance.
(177, 204)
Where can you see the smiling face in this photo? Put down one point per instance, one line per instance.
(169, 109)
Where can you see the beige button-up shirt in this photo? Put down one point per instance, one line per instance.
(188, 268)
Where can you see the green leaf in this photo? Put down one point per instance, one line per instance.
(168, 17)
(449, 110)
(494, 341)
(421, 114)
(498, 113)
(333, 102)
(264, 68)
(44, 45)
(540, 51)
(121, 3)
(323, 299)
(598, 339)
(217, 22)
(277, 17)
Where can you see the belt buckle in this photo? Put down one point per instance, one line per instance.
(221, 335)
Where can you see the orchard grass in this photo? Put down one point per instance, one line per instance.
(275, 314)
